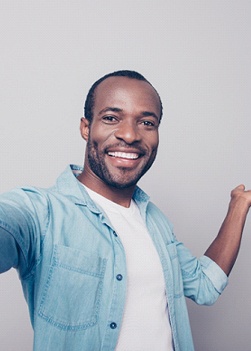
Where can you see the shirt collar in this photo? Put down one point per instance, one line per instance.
(68, 185)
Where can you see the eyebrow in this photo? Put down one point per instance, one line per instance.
(117, 109)
(149, 114)
(113, 109)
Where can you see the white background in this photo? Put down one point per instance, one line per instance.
(197, 55)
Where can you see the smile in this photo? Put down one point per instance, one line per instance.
(126, 155)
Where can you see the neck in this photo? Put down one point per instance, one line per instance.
(121, 197)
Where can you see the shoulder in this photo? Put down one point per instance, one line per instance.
(25, 200)
(154, 209)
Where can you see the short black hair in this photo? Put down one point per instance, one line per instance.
(90, 98)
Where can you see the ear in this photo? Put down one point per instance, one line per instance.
(84, 128)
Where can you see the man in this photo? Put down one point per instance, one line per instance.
(100, 266)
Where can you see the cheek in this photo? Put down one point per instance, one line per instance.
(99, 135)
(154, 142)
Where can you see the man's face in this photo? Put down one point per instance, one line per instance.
(123, 136)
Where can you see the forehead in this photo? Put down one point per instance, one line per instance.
(127, 93)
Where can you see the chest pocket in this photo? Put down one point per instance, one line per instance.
(72, 294)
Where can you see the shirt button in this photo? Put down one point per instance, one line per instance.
(119, 277)
(114, 233)
(113, 325)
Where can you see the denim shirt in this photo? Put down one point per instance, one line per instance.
(72, 266)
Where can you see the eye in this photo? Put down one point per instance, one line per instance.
(109, 119)
(148, 123)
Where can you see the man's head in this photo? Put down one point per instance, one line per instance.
(121, 129)
(90, 98)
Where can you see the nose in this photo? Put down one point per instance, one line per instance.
(128, 132)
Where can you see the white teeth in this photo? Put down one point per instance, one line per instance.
(131, 156)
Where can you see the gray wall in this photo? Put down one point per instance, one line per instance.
(197, 54)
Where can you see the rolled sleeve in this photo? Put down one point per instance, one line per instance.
(218, 278)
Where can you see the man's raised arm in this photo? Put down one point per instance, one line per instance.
(224, 249)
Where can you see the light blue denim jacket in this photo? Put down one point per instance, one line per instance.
(73, 269)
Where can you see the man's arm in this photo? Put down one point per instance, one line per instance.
(8, 251)
(224, 249)
(23, 218)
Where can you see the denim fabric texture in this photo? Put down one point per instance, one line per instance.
(69, 259)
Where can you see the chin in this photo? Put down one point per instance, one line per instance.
(122, 186)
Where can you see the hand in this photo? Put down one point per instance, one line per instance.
(241, 196)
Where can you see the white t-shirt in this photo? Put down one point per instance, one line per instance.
(145, 325)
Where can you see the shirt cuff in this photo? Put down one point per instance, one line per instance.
(217, 276)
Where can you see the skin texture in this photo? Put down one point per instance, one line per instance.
(122, 142)
(122, 139)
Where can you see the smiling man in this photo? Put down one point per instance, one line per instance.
(122, 136)
(100, 266)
